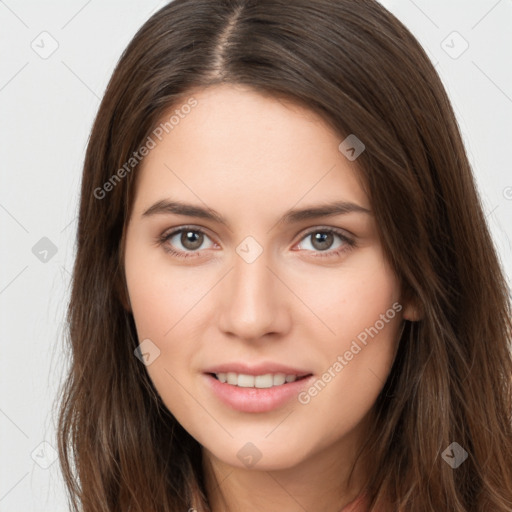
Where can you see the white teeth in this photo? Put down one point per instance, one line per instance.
(245, 381)
(262, 381)
(255, 381)
(279, 378)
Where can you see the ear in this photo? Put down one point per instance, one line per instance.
(412, 310)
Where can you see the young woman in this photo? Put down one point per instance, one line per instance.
(285, 295)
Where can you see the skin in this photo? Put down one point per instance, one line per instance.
(251, 158)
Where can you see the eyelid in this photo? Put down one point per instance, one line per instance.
(184, 227)
(339, 231)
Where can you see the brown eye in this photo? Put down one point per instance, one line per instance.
(184, 242)
(191, 240)
(322, 240)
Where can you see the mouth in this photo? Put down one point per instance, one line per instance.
(258, 393)
(265, 381)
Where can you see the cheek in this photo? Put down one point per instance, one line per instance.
(156, 308)
(159, 301)
(353, 297)
(359, 314)
(157, 290)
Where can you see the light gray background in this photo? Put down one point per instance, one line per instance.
(47, 106)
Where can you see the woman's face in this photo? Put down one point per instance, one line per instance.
(263, 286)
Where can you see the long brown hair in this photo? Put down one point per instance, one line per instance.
(357, 66)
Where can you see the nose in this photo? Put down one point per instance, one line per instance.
(254, 301)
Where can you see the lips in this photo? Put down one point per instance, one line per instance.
(254, 399)
(258, 369)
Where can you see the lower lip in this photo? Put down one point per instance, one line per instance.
(256, 399)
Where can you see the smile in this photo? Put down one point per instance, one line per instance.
(267, 380)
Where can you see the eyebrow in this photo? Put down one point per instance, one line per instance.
(166, 206)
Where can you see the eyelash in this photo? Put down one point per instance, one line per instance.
(162, 239)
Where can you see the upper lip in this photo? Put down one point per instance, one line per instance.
(257, 369)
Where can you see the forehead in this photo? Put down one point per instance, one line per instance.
(239, 147)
